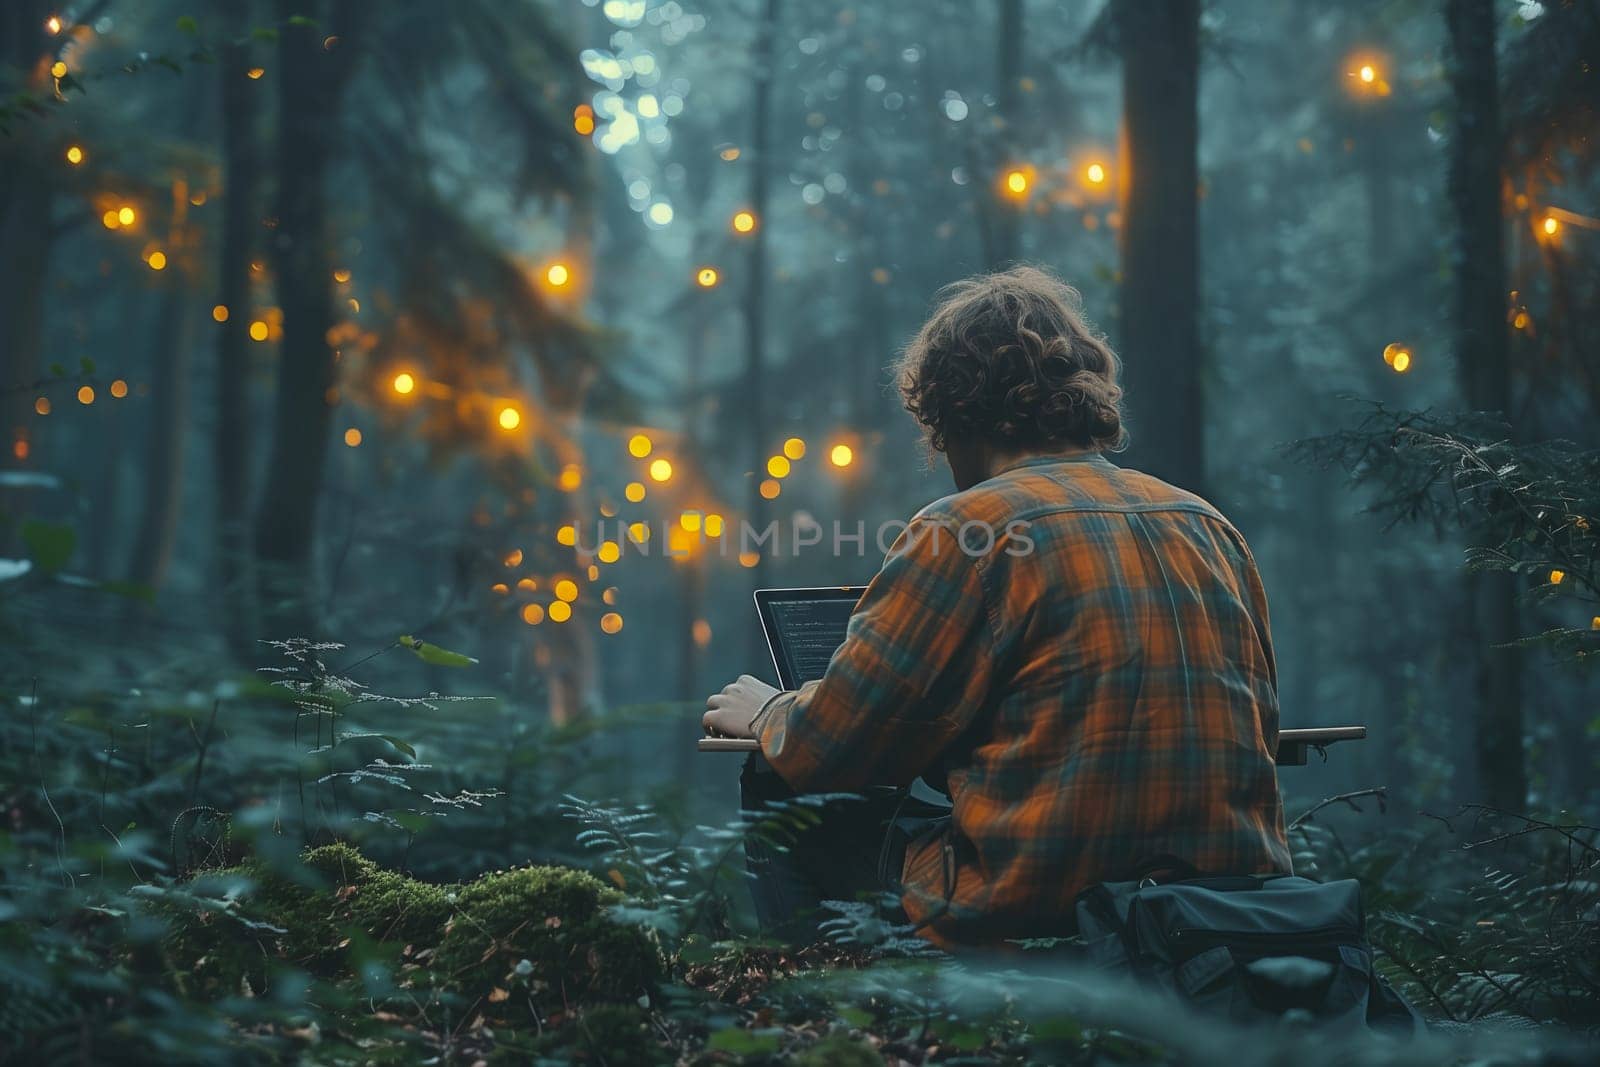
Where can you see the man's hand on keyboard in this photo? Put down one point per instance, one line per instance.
(731, 712)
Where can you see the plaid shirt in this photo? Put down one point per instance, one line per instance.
(1097, 685)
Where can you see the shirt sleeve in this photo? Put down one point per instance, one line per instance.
(913, 672)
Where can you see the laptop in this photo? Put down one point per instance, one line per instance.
(803, 628)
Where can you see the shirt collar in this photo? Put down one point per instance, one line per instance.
(1046, 460)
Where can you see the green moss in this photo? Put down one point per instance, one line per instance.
(554, 918)
(839, 1050)
(387, 906)
(534, 936)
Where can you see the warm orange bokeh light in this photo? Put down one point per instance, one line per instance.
(510, 418)
(42, 405)
(611, 622)
(770, 488)
(352, 437)
(660, 470)
(74, 154)
(707, 277)
(841, 456)
(560, 611)
(1095, 174)
(744, 222)
(404, 383)
(1398, 357)
(532, 614)
(794, 448)
(119, 388)
(220, 313)
(634, 491)
(127, 216)
(778, 466)
(567, 535)
(566, 589)
(639, 446)
(570, 478)
(157, 260)
(558, 275)
(259, 330)
(1551, 225)
(85, 395)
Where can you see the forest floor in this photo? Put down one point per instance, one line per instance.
(187, 878)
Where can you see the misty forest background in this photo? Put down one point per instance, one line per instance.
(331, 322)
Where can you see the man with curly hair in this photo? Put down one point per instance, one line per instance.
(1078, 652)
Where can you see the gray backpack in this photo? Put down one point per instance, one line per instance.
(1249, 948)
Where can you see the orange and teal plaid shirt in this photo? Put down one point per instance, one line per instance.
(1097, 685)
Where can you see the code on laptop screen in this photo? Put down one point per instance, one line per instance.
(808, 633)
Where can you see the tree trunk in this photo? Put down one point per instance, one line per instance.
(1006, 213)
(25, 209)
(232, 433)
(1160, 295)
(1485, 373)
(755, 310)
(311, 81)
(164, 447)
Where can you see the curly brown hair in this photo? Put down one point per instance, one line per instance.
(1009, 360)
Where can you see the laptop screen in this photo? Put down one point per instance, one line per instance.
(804, 627)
